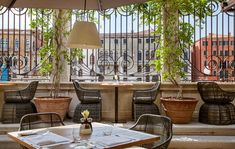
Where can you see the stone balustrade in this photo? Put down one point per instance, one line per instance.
(125, 95)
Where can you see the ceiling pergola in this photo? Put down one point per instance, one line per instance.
(228, 6)
(68, 4)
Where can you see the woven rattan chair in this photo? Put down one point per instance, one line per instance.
(155, 124)
(217, 108)
(18, 103)
(143, 101)
(40, 120)
(89, 99)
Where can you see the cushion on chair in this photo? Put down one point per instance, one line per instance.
(16, 99)
(144, 100)
(91, 99)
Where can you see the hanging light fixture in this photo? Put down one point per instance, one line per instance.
(84, 35)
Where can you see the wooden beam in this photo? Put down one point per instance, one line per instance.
(228, 6)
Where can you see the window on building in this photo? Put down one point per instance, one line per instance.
(226, 43)
(102, 41)
(205, 63)
(139, 68)
(152, 40)
(116, 41)
(147, 55)
(220, 42)
(233, 74)
(226, 53)
(111, 54)
(139, 40)
(139, 55)
(214, 53)
(223, 42)
(226, 74)
(232, 52)
(124, 41)
(214, 43)
(231, 42)
(1, 43)
(5, 43)
(205, 52)
(125, 56)
(221, 53)
(185, 68)
(152, 54)
(214, 73)
(205, 43)
(185, 55)
(27, 44)
(147, 40)
(221, 74)
(17, 44)
(233, 64)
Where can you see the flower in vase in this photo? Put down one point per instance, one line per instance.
(85, 114)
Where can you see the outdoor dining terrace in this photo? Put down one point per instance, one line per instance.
(117, 74)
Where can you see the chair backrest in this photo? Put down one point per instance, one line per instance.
(150, 93)
(210, 92)
(155, 124)
(30, 90)
(86, 95)
(40, 120)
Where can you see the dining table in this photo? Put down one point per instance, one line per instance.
(61, 137)
(116, 85)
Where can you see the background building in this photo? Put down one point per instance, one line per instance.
(19, 50)
(213, 58)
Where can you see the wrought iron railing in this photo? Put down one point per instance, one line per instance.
(128, 46)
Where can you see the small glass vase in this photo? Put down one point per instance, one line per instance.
(86, 127)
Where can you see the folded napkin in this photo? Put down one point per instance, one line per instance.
(46, 139)
(111, 140)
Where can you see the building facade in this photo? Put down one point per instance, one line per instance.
(124, 54)
(213, 58)
(19, 50)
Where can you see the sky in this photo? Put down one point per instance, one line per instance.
(220, 23)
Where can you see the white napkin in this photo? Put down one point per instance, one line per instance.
(46, 139)
(111, 140)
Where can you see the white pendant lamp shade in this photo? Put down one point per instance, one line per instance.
(84, 35)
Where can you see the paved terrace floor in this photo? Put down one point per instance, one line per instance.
(186, 136)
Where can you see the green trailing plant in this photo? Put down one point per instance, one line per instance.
(176, 35)
(54, 27)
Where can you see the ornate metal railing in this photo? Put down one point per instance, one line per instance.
(129, 45)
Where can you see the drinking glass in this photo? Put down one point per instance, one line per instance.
(108, 131)
(76, 135)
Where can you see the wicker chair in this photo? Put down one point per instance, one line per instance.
(18, 103)
(40, 120)
(217, 108)
(89, 99)
(143, 101)
(155, 124)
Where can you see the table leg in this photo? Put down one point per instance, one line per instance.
(116, 104)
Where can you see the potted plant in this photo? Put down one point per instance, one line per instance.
(54, 56)
(175, 38)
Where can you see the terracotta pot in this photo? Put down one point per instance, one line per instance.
(59, 105)
(179, 110)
